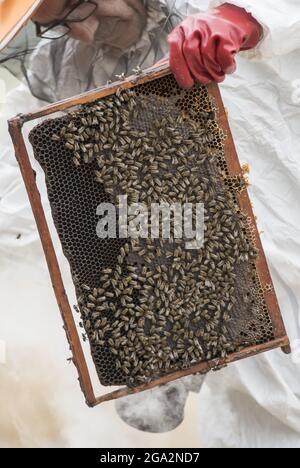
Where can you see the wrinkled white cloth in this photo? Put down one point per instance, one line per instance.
(254, 403)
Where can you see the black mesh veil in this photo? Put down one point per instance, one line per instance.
(15, 56)
(57, 69)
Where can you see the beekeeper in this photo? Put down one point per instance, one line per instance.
(257, 43)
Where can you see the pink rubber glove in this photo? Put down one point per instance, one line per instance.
(203, 46)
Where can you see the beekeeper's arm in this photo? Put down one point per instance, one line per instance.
(204, 46)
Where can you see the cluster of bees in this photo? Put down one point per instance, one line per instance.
(162, 307)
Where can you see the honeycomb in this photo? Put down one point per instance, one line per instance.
(150, 306)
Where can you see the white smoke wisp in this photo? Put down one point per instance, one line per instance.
(161, 409)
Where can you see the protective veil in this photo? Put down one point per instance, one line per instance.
(57, 69)
(255, 403)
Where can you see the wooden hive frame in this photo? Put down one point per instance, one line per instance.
(15, 128)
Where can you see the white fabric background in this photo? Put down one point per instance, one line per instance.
(255, 403)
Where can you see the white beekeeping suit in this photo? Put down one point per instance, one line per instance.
(256, 402)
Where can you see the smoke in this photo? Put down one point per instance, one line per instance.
(27, 417)
(161, 409)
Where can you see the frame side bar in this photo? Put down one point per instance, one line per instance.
(15, 130)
